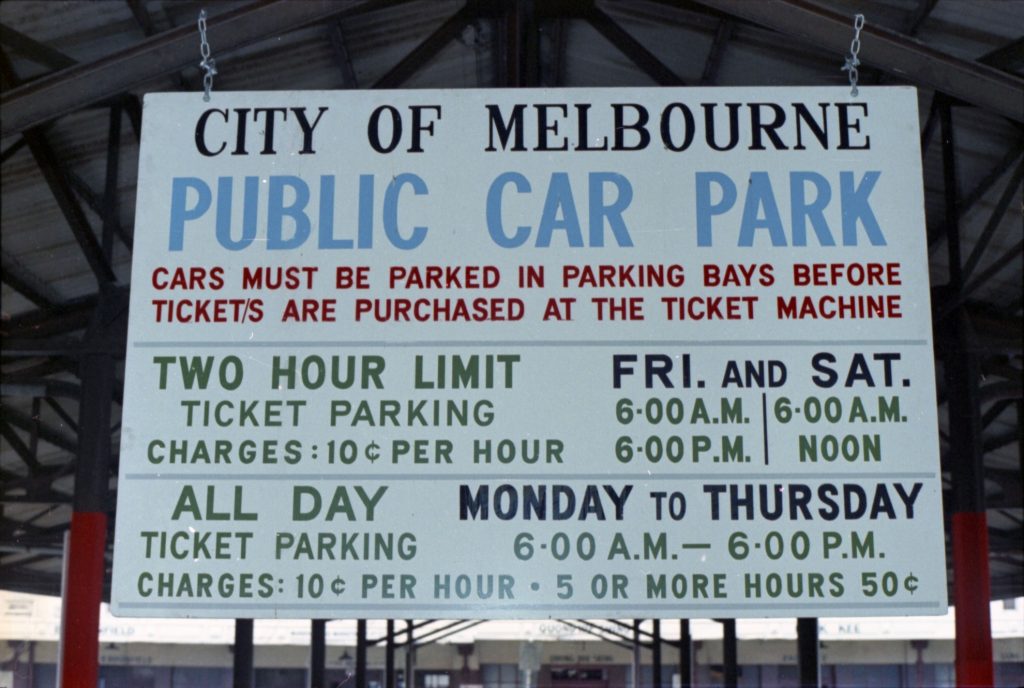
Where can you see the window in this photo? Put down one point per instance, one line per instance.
(500, 675)
(575, 675)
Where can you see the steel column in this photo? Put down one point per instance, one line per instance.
(685, 654)
(656, 653)
(243, 673)
(361, 653)
(971, 584)
(80, 630)
(560, 48)
(807, 652)
(730, 656)
(317, 653)
(518, 61)
(636, 653)
(88, 540)
(389, 656)
(110, 191)
(410, 656)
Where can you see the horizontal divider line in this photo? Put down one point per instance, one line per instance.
(545, 477)
(645, 343)
(325, 605)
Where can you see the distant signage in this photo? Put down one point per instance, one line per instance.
(529, 353)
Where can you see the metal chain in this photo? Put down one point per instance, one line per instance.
(208, 65)
(852, 62)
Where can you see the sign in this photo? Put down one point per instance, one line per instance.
(530, 353)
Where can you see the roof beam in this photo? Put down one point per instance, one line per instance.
(21, 280)
(34, 50)
(40, 496)
(41, 387)
(142, 18)
(917, 17)
(110, 215)
(145, 22)
(929, 124)
(1011, 491)
(93, 202)
(427, 49)
(56, 179)
(35, 582)
(19, 447)
(1008, 58)
(983, 240)
(20, 419)
(44, 367)
(718, 45)
(60, 319)
(12, 149)
(33, 557)
(632, 48)
(560, 50)
(60, 187)
(465, 626)
(888, 50)
(76, 87)
(62, 414)
(995, 411)
(989, 180)
(997, 266)
(37, 487)
(341, 54)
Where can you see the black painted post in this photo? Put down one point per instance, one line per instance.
(361, 653)
(656, 653)
(317, 652)
(636, 653)
(389, 656)
(685, 654)
(730, 658)
(807, 652)
(243, 671)
(410, 656)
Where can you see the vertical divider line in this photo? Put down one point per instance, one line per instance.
(764, 424)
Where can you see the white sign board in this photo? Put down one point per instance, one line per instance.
(530, 353)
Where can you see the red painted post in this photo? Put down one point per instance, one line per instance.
(81, 618)
(87, 546)
(971, 596)
(971, 586)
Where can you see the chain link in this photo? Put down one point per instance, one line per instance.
(208, 65)
(852, 62)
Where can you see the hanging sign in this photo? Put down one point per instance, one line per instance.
(530, 353)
